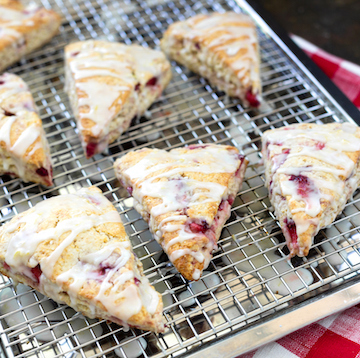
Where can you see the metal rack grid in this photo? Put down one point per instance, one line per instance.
(249, 278)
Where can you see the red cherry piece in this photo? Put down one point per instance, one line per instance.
(304, 184)
(6, 266)
(130, 190)
(91, 149)
(152, 81)
(320, 145)
(105, 268)
(42, 172)
(9, 114)
(194, 227)
(240, 157)
(36, 271)
(252, 99)
(291, 227)
(137, 86)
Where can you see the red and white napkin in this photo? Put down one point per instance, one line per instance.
(345, 74)
(337, 336)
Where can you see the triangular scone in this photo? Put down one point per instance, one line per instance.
(24, 29)
(108, 85)
(223, 48)
(185, 195)
(74, 249)
(24, 149)
(311, 171)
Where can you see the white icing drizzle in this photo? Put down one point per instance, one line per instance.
(13, 85)
(23, 244)
(178, 192)
(196, 274)
(9, 32)
(21, 145)
(10, 18)
(120, 303)
(106, 99)
(178, 253)
(326, 144)
(233, 32)
(340, 140)
(93, 63)
(77, 225)
(26, 138)
(124, 66)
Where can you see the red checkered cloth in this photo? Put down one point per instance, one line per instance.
(337, 336)
(345, 74)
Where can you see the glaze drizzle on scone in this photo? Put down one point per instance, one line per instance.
(108, 85)
(186, 196)
(24, 150)
(221, 47)
(23, 29)
(74, 249)
(311, 172)
(15, 95)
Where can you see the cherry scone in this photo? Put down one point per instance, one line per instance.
(74, 249)
(24, 149)
(223, 48)
(311, 171)
(185, 195)
(24, 29)
(109, 84)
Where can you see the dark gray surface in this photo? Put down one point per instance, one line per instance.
(333, 25)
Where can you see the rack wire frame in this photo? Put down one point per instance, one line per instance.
(237, 289)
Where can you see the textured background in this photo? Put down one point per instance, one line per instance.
(333, 25)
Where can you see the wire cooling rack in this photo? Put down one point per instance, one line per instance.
(249, 283)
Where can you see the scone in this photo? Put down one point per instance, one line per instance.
(311, 171)
(24, 29)
(24, 149)
(74, 249)
(108, 85)
(185, 195)
(223, 48)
